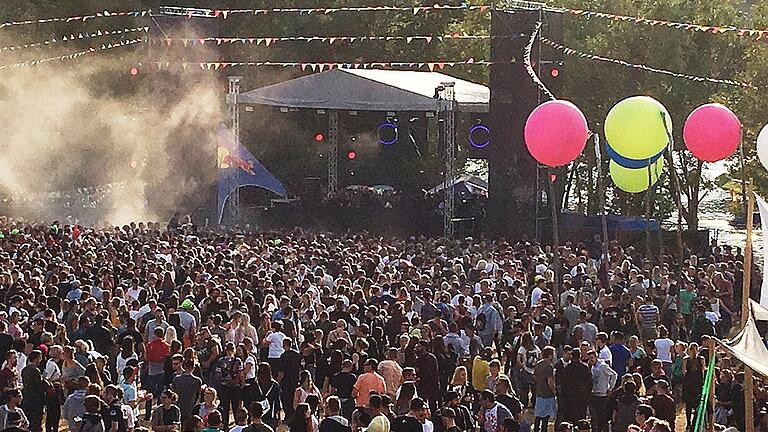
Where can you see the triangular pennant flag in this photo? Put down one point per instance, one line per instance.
(441, 65)
(64, 38)
(409, 39)
(312, 66)
(303, 67)
(483, 8)
(216, 66)
(331, 41)
(268, 41)
(185, 42)
(224, 13)
(216, 13)
(431, 67)
(428, 39)
(416, 10)
(259, 41)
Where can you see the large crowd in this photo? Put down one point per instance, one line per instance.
(173, 328)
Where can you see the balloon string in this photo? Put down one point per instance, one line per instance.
(529, 66)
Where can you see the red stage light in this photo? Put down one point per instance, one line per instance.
(555, 72)
(351, 155)
(319, 137)
(134, 71)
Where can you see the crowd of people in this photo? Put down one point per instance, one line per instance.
(144, 327)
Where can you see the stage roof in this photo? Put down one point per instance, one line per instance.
(368, 90)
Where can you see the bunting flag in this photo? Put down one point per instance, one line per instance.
(225, 13)
(78, 18)
(73, 55)
(754, 34)
(73, 37)
(259, 40)
(529, 65)
(321, 66)
(580, 54)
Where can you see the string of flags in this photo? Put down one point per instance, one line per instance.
(743, 32)
(322, 66)
(73, 55)
(72, 37)
(267, 41)
(225, 13)
(529, 65)
(80, 18)
(572, 52)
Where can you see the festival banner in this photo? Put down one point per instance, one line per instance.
(762, 206)
(73, 55)
(225, 13)
(77, 18)
(572, 52)
(73, 37)
(321, 66)
(267, 40)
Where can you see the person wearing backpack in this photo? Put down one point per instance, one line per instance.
(267, 392)
(92, 420)
(230, 369)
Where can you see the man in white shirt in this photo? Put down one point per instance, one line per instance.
(274, 341)
(52, 371)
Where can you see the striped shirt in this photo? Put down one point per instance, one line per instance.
(649, 315)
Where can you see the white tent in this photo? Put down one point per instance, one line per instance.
(749, 348)
(761, 313)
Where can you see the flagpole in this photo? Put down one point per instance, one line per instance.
(749, 421)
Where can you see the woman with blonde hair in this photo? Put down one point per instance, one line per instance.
(241, 330)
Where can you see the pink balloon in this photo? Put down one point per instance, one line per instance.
(712, 132)
(556, 133)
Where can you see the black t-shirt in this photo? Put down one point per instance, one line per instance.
(343, 383)
(114, 413)
(171, 416)
(290, 365)
(330, 425)
(406, 424)
(258, 428)
(512, 403)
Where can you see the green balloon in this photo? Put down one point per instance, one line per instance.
(638, 127)
(635, 180)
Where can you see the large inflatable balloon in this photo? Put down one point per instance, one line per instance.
(712, 132)
(556, 133)
(762, 146)
(631, 163)
(638, 127)
(635, 180)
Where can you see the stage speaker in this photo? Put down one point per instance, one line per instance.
(512, 170)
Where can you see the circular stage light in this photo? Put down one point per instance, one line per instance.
(319, 137)
(352, 155)
(479, 136)
(387, 133)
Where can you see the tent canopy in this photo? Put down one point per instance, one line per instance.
(368, 90)
(465, 183)
(749, 348)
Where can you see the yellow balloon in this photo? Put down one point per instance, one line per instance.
(635, 180)
(637, 127)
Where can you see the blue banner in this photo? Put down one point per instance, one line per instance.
(238, 168)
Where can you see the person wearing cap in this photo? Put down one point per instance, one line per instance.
(463, 417)
(448, 418)
(188, 321)
(369, 381)
(11, 414)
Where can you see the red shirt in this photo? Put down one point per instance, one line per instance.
(157, 351)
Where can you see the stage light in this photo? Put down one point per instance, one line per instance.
(351, 155)
(479, 136)
(388, 134)
(555, 72)
(134, 71)
(319, 137)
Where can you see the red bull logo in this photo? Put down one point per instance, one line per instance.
(227, 159)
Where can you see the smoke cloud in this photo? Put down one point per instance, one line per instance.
(88, 122)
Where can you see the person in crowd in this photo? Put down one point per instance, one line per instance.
(429, 334)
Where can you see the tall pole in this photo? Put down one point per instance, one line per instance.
(603, 215)
(449, 127)
(745, 309)
(234, 114)
(333, 152)
(555, 237)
